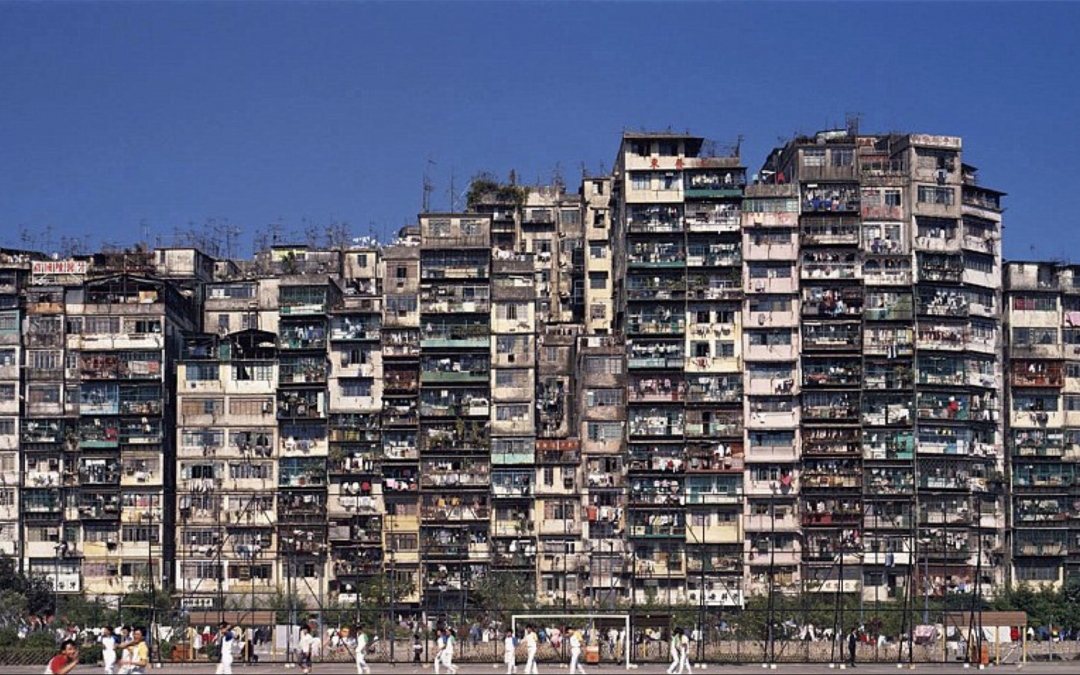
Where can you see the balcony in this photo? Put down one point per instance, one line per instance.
(656, 324)
(455, 370)
(710, 217)
(454, 336)
(655, 355)
(1036, 374)
(653, 288)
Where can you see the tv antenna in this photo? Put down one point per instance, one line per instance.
(429, 187)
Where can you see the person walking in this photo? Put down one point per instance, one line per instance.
(852, 641)
(362, 666)
(226, 640)
(576, 642)
(138, 654)
(532, 643)
(417, 648)
(64, 662)
(440, 644)
(684, 653)
(448, 651)
(676, 656)
(108, 650)
(509, 656)
(307, 647)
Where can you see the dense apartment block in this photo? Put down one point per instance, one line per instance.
(679, 384)
(1042, 318)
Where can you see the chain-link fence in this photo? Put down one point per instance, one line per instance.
(786, 633)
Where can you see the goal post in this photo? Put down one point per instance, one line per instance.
(579, 621)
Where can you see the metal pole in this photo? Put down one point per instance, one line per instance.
(701, 593)
(393, 603)
(771, 647)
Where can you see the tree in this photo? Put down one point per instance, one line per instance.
(36, 592)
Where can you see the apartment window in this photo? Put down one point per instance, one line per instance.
(604, 398)
(250, 406)
(223, 323)
(814, 157)
(559, 510)
(640, 180)
(724, 349)
(101, 325)
(1071, 336)
(511, 378)
(598, 187)
(251, 470)
(9, 322)
(1040, 303)
(45, 393)
(764, 338)
(1035, 336)
(760, 303)
(892, 196)
(44, 359)
(604, 431)
(1037, 572)
(7, 497)
(260, 372)
(842, 156)
(770, 271)
(598, 251)
(356, 388)
(7, 357)
(1072, 370)
(606, 365)
(598, 312)
(511, 312)
(7, 392)
(139, 533)
(202, 406)
(1035, 402)
(361, 259)
(772, 439)
(202, 372)
(936, 195)
(400, 305)
(934, 159)
(439, 227)
(1072, 403)
(598, 281)
(772, 238)
(7, 426)
(512, 413)
(233, 291)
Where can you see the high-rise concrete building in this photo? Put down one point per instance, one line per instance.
(676, 384)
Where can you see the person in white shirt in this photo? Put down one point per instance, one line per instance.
(361, 652)
(676, 652)
(509, 657)
(226, 643)
(576, 642)
(440, 645)
(531, 645)
(684, 653)
(448, 651)
(108, 650)
(307, 648)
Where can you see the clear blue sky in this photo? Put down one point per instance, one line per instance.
(120, 116)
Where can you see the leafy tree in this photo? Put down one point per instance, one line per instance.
(37, 593)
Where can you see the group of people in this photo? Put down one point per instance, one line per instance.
(532, 645)
(130, 646)
(680, 652)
